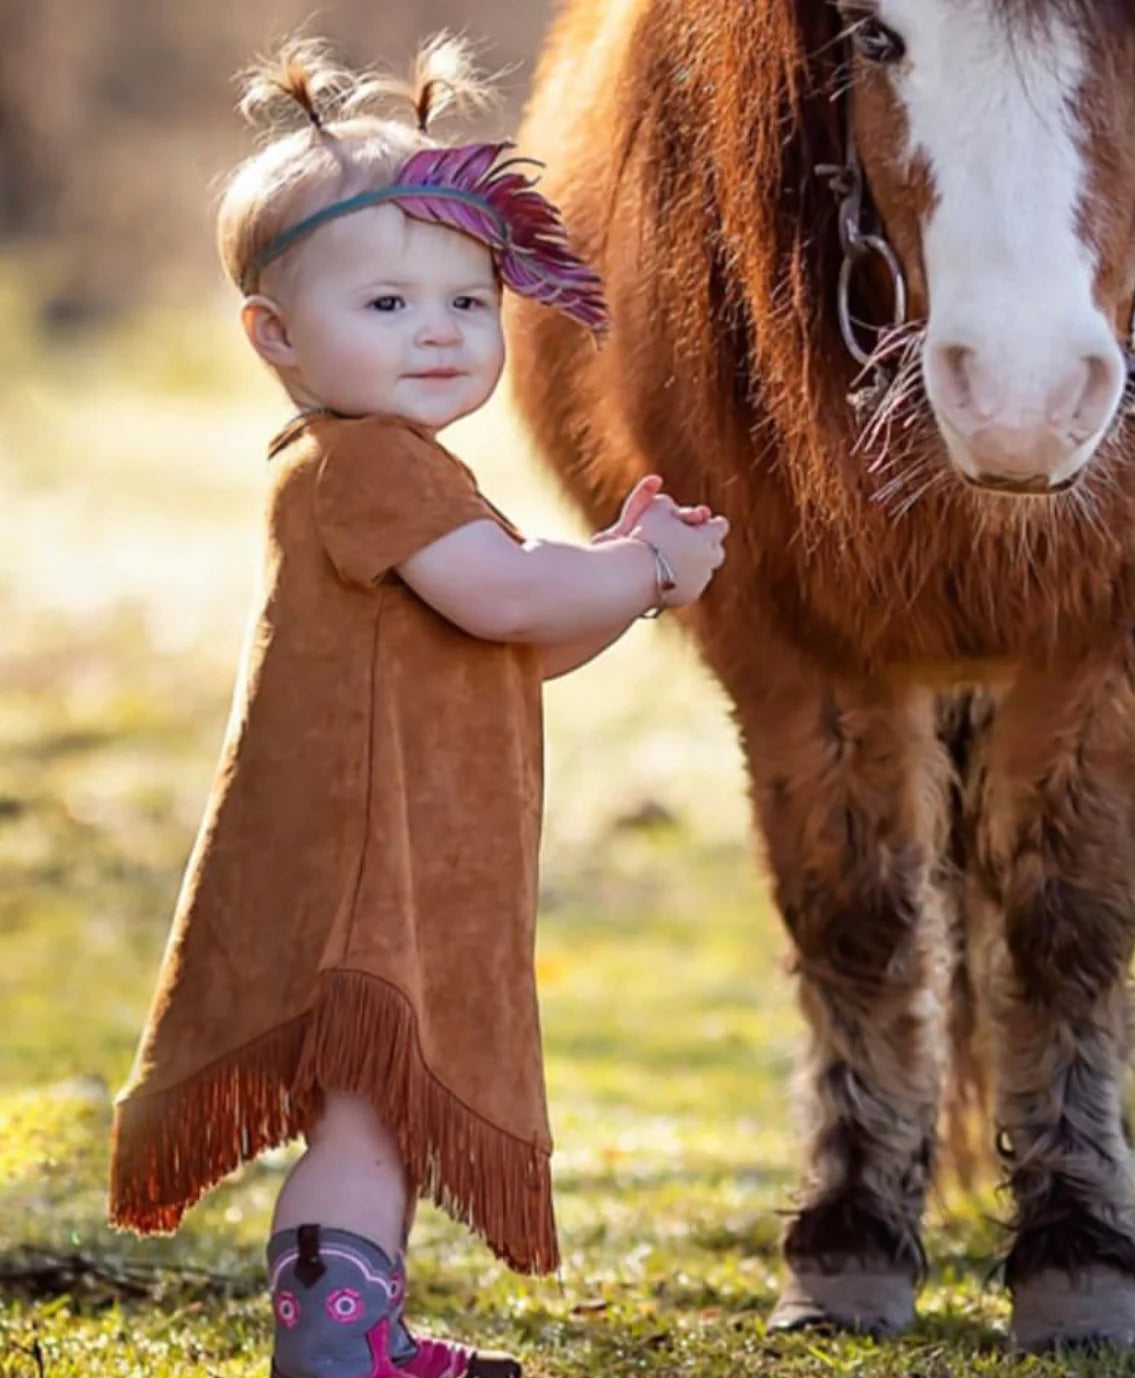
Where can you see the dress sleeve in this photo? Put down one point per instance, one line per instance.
(383, 493)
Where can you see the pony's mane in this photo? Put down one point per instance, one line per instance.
(731, 113)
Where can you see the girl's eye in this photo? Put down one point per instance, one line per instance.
(387, 303)
(874, 40)
(467, 303)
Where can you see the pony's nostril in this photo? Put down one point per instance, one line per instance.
(1099, 395)
(964, 386)
(1073, 396)
(1066, 398)
(955, 366)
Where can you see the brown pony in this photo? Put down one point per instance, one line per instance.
(943, 505)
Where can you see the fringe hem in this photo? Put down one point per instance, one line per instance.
(169, 1148)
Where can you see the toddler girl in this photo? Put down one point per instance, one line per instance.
(351, 957)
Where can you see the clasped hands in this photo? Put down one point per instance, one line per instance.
(690, 538)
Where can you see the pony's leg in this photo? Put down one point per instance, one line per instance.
(850, 783)
(1056, 856)
(964, 723)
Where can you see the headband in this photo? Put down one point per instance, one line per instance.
(472, 190)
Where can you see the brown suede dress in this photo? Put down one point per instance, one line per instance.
(358, 910)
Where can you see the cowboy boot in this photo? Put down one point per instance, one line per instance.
(338, 1299)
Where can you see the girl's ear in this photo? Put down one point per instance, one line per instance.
(267, 331)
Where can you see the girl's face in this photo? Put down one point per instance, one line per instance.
(381, 313)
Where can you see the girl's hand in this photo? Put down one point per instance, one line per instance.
(694, 549)
(647, 493)
(635, 504)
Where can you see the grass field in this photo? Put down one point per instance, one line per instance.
(129, 480)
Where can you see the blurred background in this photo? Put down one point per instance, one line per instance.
(116, 118)
(133, 427)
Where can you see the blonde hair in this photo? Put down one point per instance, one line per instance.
(342, 148)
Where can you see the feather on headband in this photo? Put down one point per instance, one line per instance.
(475, 190)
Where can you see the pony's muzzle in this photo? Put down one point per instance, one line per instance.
(1028, 430)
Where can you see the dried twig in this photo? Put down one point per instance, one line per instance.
(38, 1274)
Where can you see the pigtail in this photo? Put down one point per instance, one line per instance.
(443, 77)
(301, 75)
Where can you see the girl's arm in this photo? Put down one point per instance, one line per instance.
(543, 592)
(570, 655)
(561, 659)
(573, 601)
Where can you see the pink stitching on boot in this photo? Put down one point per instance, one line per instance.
(287, 1310)
(378, 1337)
(344, 1306)
(433, 1359)
(437, 1359)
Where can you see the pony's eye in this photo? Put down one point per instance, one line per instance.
(874, 40)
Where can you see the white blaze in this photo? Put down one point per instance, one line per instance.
(1010, 279)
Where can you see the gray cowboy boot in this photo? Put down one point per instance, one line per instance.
(338, 1299)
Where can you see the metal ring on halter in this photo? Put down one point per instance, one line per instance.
(864, 246)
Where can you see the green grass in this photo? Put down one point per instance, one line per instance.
(130, 482)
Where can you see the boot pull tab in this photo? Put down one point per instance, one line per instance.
(310, 1266)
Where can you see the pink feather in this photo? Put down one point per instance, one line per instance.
(521, 227)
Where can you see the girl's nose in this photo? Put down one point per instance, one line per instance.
(439, 328)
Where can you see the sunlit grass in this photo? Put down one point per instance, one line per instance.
(131, 479)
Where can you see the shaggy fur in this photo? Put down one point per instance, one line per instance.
(863, 579)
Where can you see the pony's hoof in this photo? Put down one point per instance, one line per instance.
(1094, 1308)
(880, 1304)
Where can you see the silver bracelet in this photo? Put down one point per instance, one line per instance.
(664, 581)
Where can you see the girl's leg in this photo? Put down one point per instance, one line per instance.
(335, 1261)
(350, 1178)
